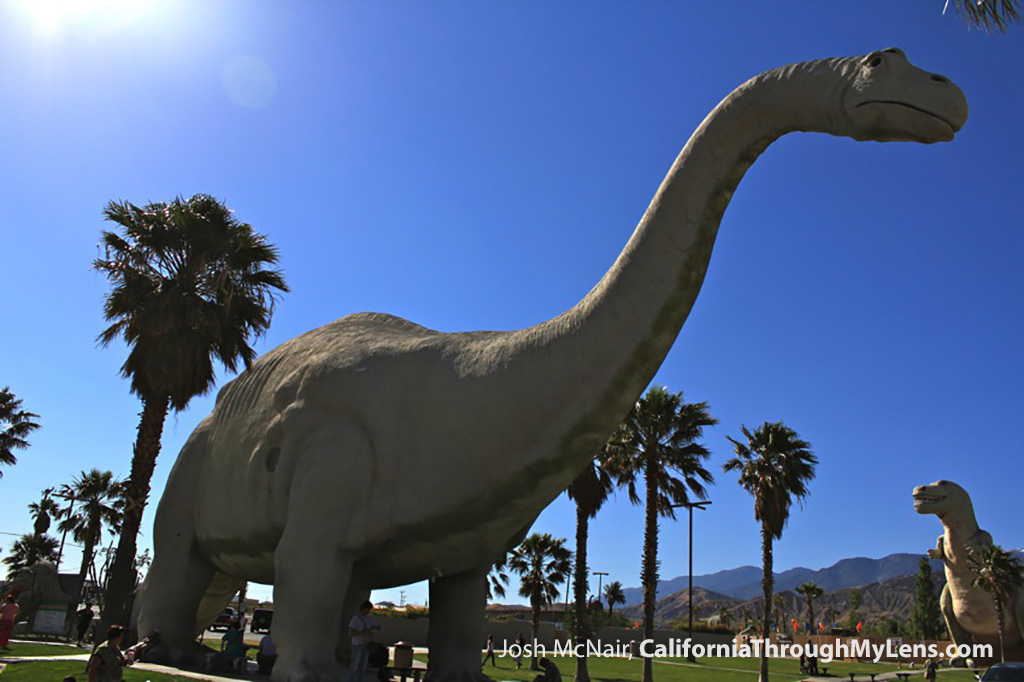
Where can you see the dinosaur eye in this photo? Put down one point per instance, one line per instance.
(874, 61)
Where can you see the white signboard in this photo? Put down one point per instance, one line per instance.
(50, 619)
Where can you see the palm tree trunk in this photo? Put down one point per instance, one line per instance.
(649, 574)
(999, 624)
(536, 635)
(810, 616)
(121, 583)
(580, 593)
(768, 585)
(92, 533)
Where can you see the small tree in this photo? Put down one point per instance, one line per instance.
(853, 615)
(660, 443)
(27, 550)
(42, 512)
(775, 466)
(497, 578)
(810, 592)
(613, 594)
(926, 620)
(15, 426)
(589, 491)
(998, 572)
(542, 564)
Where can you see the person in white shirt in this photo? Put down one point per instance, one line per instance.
(361, 629)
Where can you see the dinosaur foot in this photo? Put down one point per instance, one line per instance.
(186, 653)
(309, 668)
(960, 662)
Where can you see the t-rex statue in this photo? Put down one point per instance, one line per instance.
(36, 585)
(969, 611)
(373, 452)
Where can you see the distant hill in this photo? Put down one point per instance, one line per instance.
(892, 598)
(745, 582)
(890, 595)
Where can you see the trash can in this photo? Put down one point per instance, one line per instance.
(403, 656)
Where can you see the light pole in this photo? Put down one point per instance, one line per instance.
(689, 593)
(600, 575)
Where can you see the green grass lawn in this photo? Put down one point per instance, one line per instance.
(51, 671)
(38, 649)
(711, 669)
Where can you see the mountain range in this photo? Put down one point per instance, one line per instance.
(744, 582)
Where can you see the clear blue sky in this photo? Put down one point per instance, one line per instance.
(478, 165)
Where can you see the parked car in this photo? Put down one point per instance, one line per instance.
(261, 620)
(1004, 672)
(224, 620)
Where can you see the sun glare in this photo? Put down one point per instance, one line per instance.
(51, 16)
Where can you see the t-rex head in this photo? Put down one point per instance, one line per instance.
(939, 498)
(890, 99)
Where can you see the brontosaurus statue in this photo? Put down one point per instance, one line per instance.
(373, 452)
(969, 612)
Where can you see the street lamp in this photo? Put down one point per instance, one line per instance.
(689, 507)
(600, 575)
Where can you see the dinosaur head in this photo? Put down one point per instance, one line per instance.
(889, 99)
(939, 497)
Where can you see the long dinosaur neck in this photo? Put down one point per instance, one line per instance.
(597, 358)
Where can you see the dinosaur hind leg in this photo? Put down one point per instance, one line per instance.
(180, 575)
(956, 632)
(222, 589)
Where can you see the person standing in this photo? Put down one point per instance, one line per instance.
(360, 629)
(84, 619)
(931, 669)
(490, 651)
(520, 643)
(8, 614)
(267, 655)
(107, 662)
(234, 647)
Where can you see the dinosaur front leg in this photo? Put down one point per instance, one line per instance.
(456, 633)
(310, 583)
(956, 632)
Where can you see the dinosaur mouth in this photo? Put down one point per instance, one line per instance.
(919, 497)
(905, 105)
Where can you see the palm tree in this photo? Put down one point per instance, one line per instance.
(810, 592)
(998, 572)
(779, 604)
(724, 615)
(987, 14)
(190, 285)
(660, 437)
(99, 498)
(42, 511)
(589, 490)
(497, 578)
(27, 550)
(542, 564)
(613, 594)
(19, 424)
(775, 466)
